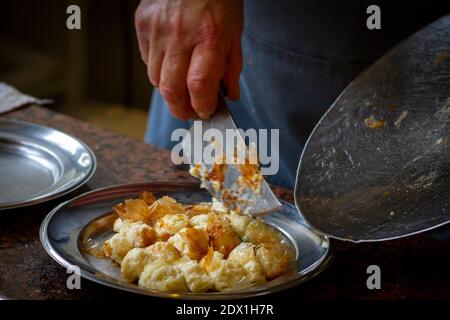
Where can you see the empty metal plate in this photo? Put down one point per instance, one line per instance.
(38, 163)
(86, 221)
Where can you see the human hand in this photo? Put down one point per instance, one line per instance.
(189, 47)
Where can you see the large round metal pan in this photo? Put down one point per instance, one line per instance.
(363, 180)
(88, 217)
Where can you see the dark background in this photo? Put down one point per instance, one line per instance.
(95, 73)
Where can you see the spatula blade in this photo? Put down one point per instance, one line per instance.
(232, 193)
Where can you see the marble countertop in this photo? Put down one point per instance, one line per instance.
(416, 267)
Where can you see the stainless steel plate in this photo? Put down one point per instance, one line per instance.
(38, 163)
(65, 229)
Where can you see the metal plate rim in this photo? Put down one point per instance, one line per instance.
(68, 189)
(314, 270)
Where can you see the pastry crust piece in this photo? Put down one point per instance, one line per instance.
(239, 222)
(160, 275)
(258, 232)
(148, 197)
(218, 206)
(134, 263)
(200, 222)
(245, 255)
(164, 206)
(170, 224)
(196, 209)
(226, 274)
(117, 247)
(117, 225)
(133, 210)
(221, 234)
(191, 242)
(139, 234)
(196, 278)
(164, 251)
(275, 258)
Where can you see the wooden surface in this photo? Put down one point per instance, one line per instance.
(415, 267)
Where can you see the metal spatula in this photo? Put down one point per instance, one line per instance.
(377, 166)
(232, 194)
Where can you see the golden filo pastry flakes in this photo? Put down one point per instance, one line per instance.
(161, 244)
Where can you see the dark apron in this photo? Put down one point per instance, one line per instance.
(298, 56)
